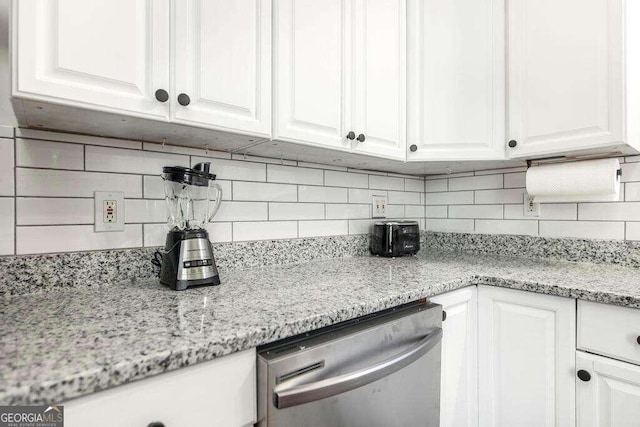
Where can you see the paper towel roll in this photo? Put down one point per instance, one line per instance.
(584, 181)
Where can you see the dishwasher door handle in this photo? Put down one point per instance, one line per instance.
(306, 393)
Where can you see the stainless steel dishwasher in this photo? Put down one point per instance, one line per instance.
(379, 370)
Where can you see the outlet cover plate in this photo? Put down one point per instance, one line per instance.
(109, 211)
(379, 206)
(531, 207)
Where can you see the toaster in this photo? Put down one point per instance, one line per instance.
(395, 238)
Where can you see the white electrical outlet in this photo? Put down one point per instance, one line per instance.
(109, 211)
(531, 207)
(379, 207)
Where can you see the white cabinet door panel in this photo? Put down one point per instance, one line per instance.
(459, 391)
(101, 54)
(611, 398)
(526, 359)
(456, 79)
(223, 63)
(379, 77)
(566, 75)
(312, 41)
(221, 392)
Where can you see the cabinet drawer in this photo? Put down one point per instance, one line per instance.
(221, 392)
(609, 330)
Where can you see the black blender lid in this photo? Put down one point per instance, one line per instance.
(199, 175)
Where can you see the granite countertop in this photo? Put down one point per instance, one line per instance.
(72, 342)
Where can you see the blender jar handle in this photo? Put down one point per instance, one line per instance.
(215, 208)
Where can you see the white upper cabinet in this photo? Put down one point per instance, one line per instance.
(526, 359)
(311, 42)
(574, 76)
(102, 54)
(340, 67)
(223, 64)
(456, 80)
(379, 78)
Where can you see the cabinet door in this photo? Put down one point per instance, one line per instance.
(526, 359)
(379, 77)
(611, 398)
(312, 51)
(223, 64)
(456, 80)
(459, 387)
(565, 75)
(109, 55)
(221, 392)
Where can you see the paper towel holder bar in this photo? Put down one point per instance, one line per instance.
(567, 159)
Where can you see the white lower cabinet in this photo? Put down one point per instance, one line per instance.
(526, 359)
(608, 394)
(459, 391)
(221, 392)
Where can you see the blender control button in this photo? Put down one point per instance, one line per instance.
(187, 264)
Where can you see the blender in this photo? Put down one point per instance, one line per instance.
(187, 259)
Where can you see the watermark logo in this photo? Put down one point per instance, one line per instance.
(31, 416)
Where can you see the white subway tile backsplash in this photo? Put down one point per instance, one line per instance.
(450, 225)
(347, 211)
(395, 211)
(7, 167)
(476, 211)
(499, 196)
(323, 167)
(57, 183)
(255, 191)
(361, 226)
(515, 180)
(120, 160)
(323, 228)
(560, 211)
(264, 230)
(628, 211)
(242, 211)
(632, 230)
(507, 226)
(283, 211)
(386, 183)
(583, 229)
(403, 198)
(7, 226)
(71, 238)
(364, 196)
(47, 154)
(436, 211)
(234, 169)
(436, 185)
(475, 183)
(294, 175)
(632, 191)
(54, 211)
(416, 185)
(411, 211)
(345, 179)
(144, 211)
(308, 193)
(630, 172)
(453, 198)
